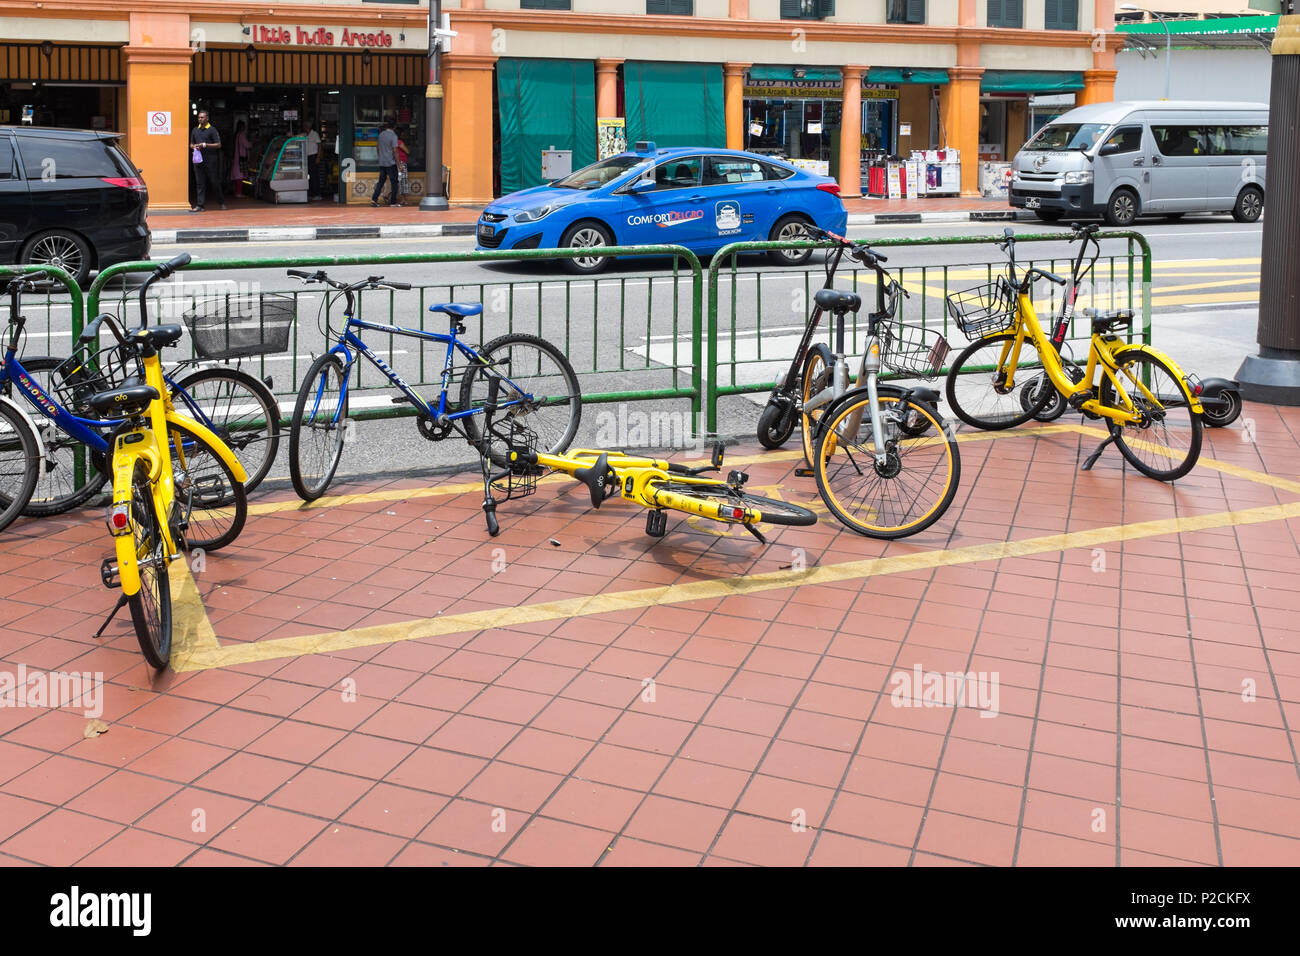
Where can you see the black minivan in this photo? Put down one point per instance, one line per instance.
(70, 198)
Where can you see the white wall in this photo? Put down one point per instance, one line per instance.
(1237, 75)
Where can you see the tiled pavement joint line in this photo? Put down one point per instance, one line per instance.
(189, 656)
(1042, 677)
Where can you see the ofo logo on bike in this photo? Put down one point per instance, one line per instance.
(53, 689)
(626, 428)
(920, 688)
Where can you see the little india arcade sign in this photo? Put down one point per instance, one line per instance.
(320, 37)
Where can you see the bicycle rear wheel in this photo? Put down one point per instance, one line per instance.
(1166, 444)
(977, 389)
(908, 492)
(57, 488)
(211, 498)
(319, 427)
(722, 495)
(20, 463)
(242, 412)
(818, 369)
(151, 606)
(544, 386)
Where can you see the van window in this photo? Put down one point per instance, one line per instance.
(1128, 139)
(1066, 136)
(8, 170)
(1180, 140)
(50, 158)
(1238, 140)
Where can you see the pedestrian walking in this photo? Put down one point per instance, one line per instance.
(313, 161)
(387, 144)
(403, 154)
(205, 155)
(243, 147)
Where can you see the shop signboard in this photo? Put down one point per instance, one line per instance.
(611, 136)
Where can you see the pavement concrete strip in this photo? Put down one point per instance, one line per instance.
(196, 646)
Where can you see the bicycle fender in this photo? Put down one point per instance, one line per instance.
(1192, 400)
(882, 389)
(30, 423)
(213, 441)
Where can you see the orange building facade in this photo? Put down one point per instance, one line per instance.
(798, 78)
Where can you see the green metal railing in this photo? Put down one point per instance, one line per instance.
(571, 327)
(1117, 270)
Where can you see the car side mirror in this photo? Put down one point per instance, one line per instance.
(642, 186)
(1110, 149)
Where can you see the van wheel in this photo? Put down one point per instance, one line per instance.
(790, 229)
(60, 248)
(1122, 208)
(1250, 204)
(585, 235)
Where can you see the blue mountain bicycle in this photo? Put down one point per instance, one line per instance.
(532, 380)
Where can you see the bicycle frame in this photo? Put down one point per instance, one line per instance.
(350, 345)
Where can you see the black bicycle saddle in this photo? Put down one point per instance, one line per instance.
(833, 300)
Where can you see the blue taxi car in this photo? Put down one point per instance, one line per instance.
(698, 198)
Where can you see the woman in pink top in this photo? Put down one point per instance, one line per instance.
(243, 146)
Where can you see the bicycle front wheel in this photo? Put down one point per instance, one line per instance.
(977, 383)
(209, 495)
(1166, 443)
(20, 463)
(722, 496)
(319, 427)
(58, 488)
(151, 606)
(907, 492)
(533, 375)
(242, 412)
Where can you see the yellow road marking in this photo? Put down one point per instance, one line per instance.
(192, 658)
(1193, 299)
(190, 625)
(1166, 289)
(197, 648)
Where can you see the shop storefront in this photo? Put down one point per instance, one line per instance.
(61, 84)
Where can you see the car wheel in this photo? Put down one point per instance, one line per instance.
(59, 248)
(585, 235)
(790, 229)
(1122, 208)
(1250, 204)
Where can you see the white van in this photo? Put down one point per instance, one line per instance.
(1161, 157)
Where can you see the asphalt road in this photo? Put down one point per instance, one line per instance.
(630, 328)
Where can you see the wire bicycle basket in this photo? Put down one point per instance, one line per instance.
(518, 478)
(913, 351)
(984, 309)
(241, 326)
(90, 370)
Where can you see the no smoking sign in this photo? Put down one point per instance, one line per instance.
(160, 122)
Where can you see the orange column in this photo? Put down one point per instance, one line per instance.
(467, 126)
(1099, 82)
(733, 103)
(738, 10)
(849, 175)
(607, 87)
(158, 81)
(959, 105)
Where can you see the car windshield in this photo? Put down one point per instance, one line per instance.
(1067, 136)
(598, 174)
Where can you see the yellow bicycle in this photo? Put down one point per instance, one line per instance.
(162, 487)
(1153, 414)
(656, 484)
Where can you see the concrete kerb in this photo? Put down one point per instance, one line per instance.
(438, 230)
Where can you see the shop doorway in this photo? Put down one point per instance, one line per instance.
(267, 114)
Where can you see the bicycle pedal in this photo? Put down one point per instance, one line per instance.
(804, 472)
(737, 478)
(656, 523)
(1076, 400)
(108, 574)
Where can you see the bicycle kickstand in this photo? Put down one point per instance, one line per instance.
(121, 603)
(1092, 459)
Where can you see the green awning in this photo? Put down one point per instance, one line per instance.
(888, 74)
(1210, 27)
(1029, 81)
(786, 73)
(544, 104)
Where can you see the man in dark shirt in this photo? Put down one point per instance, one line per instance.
(205, 143)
